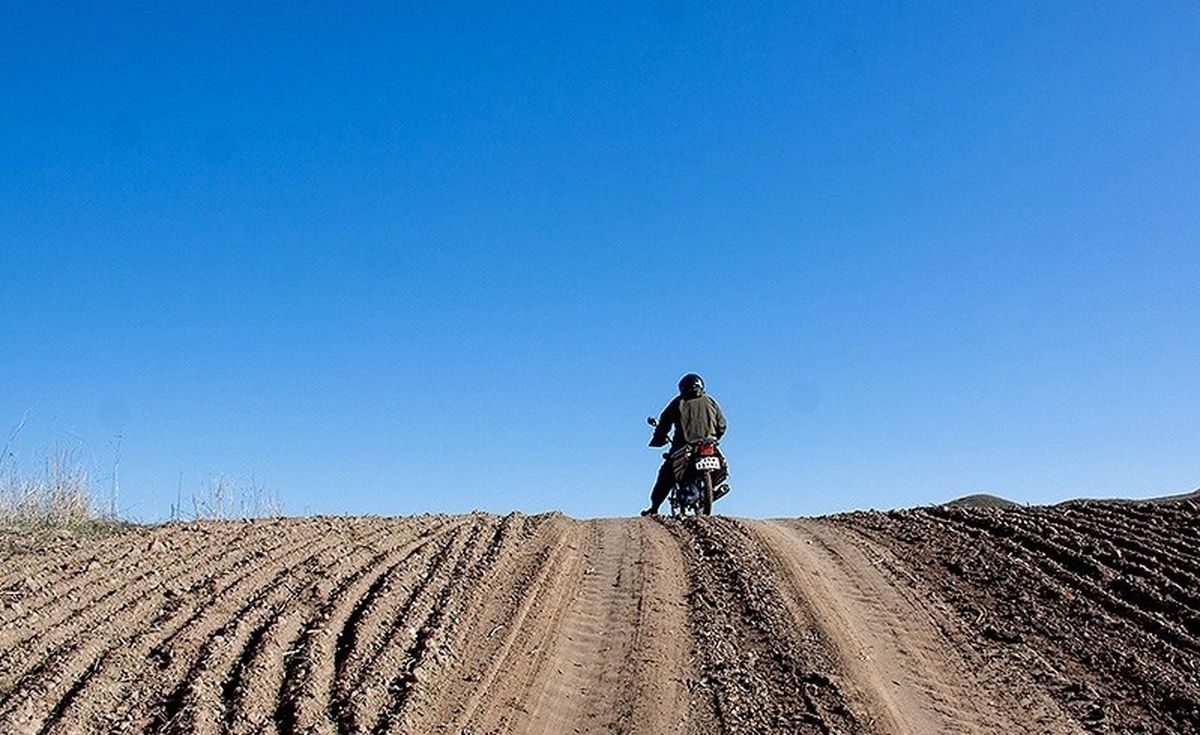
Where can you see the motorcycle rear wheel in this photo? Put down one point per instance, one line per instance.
(707, 500)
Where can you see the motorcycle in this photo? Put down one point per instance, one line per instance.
(700, 472)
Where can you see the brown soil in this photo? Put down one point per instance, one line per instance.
(1076, 618)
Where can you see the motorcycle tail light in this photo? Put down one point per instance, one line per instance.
(707, 450)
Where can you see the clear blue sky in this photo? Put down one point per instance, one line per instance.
(446, 256)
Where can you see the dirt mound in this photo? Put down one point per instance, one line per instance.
(943, 619)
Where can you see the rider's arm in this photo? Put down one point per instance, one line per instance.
(668, 418)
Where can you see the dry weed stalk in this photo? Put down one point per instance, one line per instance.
(224, 498)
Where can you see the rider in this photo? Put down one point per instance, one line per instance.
(694, 416)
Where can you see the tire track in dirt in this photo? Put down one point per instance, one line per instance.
(526, 643)
(618, 647)
(758, 670)
(905, 671)
(455, 647)
(416, 704)
(569, 605)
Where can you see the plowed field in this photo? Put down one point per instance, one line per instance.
(1077, 618)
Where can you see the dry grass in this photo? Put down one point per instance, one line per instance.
(58, 495)
(54, 503)
(225, 498)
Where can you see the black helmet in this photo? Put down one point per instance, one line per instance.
(691, 386)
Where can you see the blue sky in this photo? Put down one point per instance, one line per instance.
(437, 257)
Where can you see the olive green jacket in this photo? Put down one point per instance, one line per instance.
(692, 419)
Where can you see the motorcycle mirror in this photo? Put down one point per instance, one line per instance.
(652, 421)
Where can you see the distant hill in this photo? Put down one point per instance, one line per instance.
(986, 500)
(1193, 495)
(981, 500)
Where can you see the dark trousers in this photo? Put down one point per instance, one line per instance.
(662, 485)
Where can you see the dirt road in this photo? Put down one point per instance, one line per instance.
(1055, 620)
